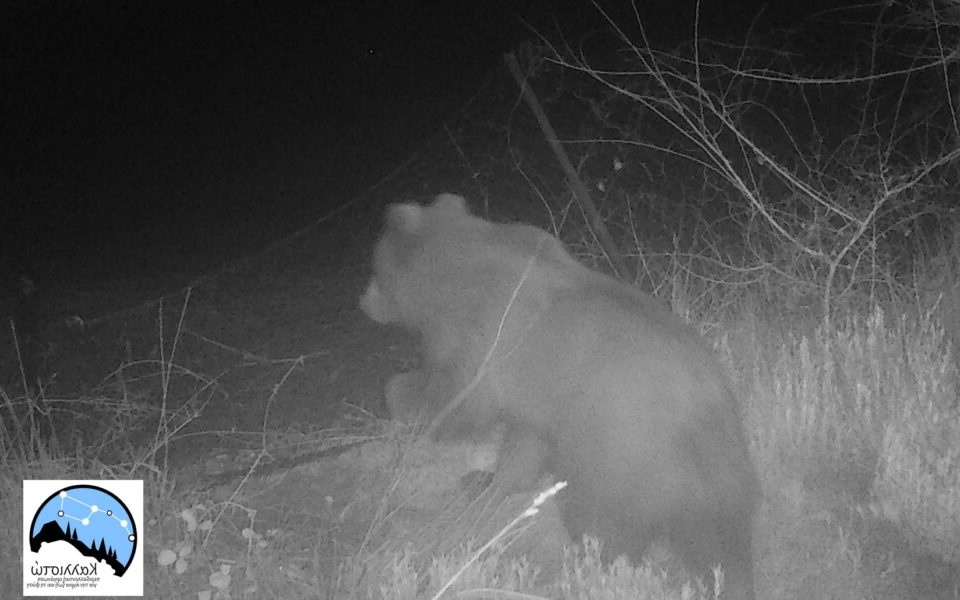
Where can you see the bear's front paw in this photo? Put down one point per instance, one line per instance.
(404, 396)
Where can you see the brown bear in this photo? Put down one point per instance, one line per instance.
(596, 383)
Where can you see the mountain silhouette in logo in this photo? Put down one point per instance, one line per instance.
(51, 532)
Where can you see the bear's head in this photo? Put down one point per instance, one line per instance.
(439, 264)
(402, 260)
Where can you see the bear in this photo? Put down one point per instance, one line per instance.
(595, 383)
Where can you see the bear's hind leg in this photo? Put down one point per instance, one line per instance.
(582, 514)
(522, 459)
(704, 541)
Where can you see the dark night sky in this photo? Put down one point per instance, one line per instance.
(129, 127)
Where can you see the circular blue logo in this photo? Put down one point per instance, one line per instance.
(92, 520)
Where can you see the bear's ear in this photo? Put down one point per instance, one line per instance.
(450, 203)
(407, 218)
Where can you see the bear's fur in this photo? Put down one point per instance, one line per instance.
(596, 383)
